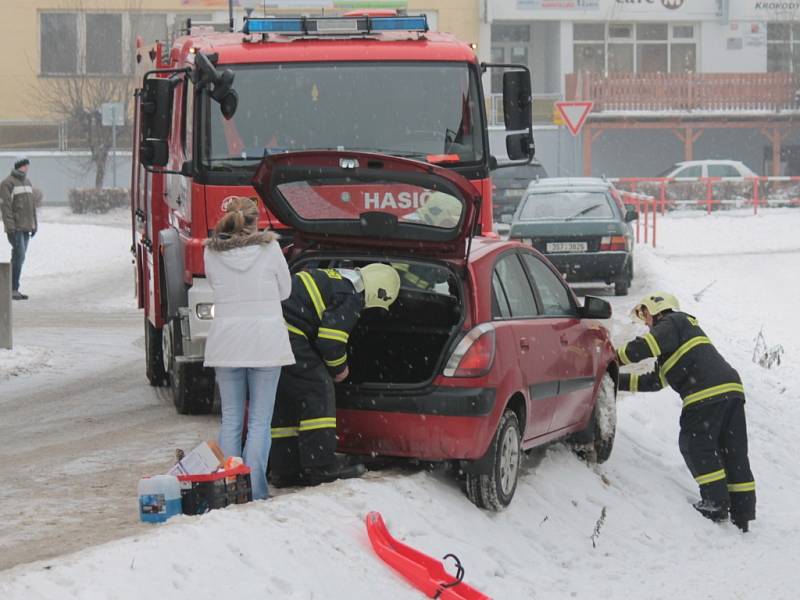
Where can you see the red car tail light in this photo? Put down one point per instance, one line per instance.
(613, 242)
(474, 354)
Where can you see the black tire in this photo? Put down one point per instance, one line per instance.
(595, 443)
(192, 384)
(154, 358)
(622, 286)
(495, 490)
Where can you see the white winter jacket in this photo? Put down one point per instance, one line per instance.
(250, 277)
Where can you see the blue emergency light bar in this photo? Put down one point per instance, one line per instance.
(334, 25)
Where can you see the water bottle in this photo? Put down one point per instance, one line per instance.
(159, 498)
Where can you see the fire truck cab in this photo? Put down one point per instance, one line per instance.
(212, 105)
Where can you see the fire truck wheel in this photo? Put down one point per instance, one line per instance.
(156, 374)
(192, 384)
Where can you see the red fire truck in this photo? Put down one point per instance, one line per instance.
(212, 105)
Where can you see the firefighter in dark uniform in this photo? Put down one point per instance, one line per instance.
(320, 313)
(713, 432)
(440, 210)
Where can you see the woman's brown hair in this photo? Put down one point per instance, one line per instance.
(240, 218)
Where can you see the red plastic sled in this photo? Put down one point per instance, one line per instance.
(425, 573)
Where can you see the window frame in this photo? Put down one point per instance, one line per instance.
(575, 314)
(513, 255)
(637, 42)
(126, 41)
(789, 45)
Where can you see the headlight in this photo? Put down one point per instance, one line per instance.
(205, 311)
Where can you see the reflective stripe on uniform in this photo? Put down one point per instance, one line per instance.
(750, 486)
(678, 354)
(634, 383)
(313, 292)
(710, 477)
(717, 390)
(337, 362)
(295, 330)
(337, 335)
(652, 344)
(284, 432)
(623, 358)
(321, 423)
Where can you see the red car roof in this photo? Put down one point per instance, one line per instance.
(402, 46)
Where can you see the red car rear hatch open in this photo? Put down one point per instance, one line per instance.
(370, 201)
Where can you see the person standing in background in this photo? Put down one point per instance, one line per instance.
(248, 342)
(18, 204)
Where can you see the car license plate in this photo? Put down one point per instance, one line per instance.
(514, 193)
(566, 246)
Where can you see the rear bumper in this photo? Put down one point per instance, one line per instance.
(591, 266)
(444, 424)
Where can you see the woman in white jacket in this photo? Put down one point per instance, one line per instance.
(248, 341)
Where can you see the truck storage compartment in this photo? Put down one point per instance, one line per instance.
(406, 344)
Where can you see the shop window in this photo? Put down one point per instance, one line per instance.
(639, 48)
(590, 57)
(683, 58)
(651, 31)
(620, 58)
(783, 47)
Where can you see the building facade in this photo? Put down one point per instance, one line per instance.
(50, 47)
(670, 79)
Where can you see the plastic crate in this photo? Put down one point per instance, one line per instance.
(202, 493)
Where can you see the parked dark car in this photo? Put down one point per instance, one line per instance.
(493, 356)
(582, 227)
(508, 187)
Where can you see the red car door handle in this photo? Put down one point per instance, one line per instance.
(524, 344)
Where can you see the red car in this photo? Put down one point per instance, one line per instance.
(485, 354)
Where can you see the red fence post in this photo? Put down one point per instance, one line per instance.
(654, 223)
(709, 193)
(756, 187)
(646, 219)
(663, 195)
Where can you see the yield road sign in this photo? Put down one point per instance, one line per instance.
(574, 114)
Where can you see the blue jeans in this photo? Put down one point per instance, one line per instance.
(19, 245)
(234, 383)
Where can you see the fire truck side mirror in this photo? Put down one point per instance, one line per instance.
(156, 119)
(519, 146)
(517, 100)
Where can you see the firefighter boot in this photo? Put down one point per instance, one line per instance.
(741, 523)
(341, 468)
(716, 511)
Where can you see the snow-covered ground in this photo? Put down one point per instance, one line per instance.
(737, 273)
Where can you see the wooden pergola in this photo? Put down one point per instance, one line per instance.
(689, 129)
(688, 104)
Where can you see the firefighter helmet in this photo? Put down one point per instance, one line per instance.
(381, 285)
(656, 303)
(441, 210)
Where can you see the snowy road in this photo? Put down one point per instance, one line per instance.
(624, 529)
(79, 423)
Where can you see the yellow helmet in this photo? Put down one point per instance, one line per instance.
(441, 210)
(656, 303)
(381, 285)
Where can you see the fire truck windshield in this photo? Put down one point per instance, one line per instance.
(418, 110)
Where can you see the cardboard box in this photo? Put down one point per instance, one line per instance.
(204, 459)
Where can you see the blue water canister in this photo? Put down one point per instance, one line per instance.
(159, 498)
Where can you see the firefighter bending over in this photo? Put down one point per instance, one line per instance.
(441, 210)
(320, 313)
(713, 432)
